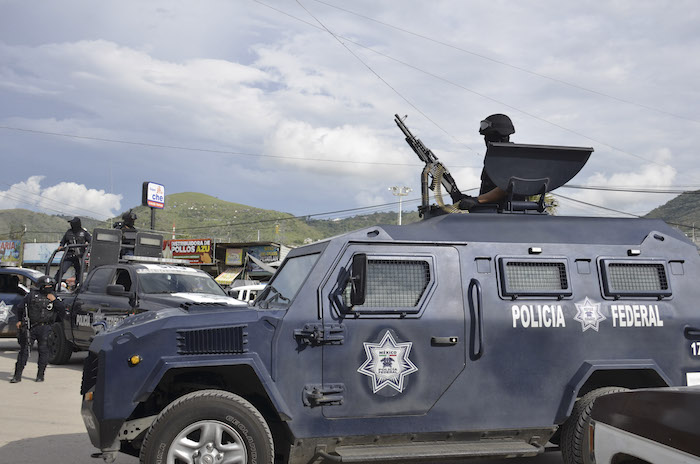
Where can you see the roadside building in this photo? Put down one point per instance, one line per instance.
(248, 261)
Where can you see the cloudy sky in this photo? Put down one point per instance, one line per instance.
(289, 105)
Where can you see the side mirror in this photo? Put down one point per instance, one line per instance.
(115, 290)
(358, 279)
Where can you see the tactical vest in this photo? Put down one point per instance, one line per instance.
(75, 238)
(40, 309)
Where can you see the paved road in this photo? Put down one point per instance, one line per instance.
(41, 423)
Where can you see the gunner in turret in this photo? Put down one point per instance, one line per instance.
(495, 128)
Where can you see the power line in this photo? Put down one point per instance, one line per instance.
(532, 115)
(377, 74)
(679, 224)
(503, 63)
(633, 189)
(204, 150)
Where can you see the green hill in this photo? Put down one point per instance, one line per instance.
(682, 212)
(30, 226)
(197, 215)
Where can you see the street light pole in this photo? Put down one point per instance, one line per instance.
(400, 192)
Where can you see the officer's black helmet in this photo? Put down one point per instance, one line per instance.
(75, 222)
(129, 216)
(497, 126)
(45, 281)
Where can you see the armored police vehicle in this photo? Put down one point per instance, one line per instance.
(483, 334)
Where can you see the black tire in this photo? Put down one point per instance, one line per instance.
(574, 433)
(212, 422)
(60, 349)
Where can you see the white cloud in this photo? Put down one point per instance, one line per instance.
(245, 78)
(647, 176)
(66, 198)
(357, 145)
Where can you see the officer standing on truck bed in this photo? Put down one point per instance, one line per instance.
(36, 314)
(126, 225)
(76, 235)
(495, 128)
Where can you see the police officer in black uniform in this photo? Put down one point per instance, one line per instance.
(36, 314)
(76, 235)
(494, 128)
(128, 232)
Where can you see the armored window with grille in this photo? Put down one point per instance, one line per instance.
(393, 284)
(534, 277)
(634, 278)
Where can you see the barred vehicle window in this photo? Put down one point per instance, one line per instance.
(522, 277)
(536, 276)
(637, 277)
(393, 283)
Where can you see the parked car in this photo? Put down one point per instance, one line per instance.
(14, 284)
(245, 293)
(659, 425)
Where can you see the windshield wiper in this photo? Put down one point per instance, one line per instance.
(265, 304)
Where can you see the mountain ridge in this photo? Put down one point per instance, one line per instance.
(198, 215)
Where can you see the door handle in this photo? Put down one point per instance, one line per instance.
(477, 329)
(692, 333)
(438, 341)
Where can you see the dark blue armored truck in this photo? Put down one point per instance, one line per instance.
(463, 335)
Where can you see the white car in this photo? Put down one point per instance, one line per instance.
(246, 293)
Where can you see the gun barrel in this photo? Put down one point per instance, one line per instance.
(402, 126)
(429, 158)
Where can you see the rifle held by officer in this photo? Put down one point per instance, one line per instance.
(24, 328)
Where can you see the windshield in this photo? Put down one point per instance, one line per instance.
(179, 283)
(287, 281)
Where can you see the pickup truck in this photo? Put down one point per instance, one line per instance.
(112, 292)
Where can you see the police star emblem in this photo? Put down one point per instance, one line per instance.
(4, 311)
(589, 315)
(387, 363)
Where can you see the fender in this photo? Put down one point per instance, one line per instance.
(588, 368)
(249, 359)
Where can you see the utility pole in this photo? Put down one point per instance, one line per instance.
(400, 192)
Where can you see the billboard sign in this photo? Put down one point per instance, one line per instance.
(194, 251)
(234, 257)
(9, 252)
(153, 195)
(265, 253)
(39, 253)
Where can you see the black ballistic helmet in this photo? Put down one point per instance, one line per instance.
(129, 218)
(45, 283)
(75, 223)
(496, 126)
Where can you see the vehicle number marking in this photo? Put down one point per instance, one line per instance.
(695, 347)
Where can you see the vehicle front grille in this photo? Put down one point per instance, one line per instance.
(90, 370)
(220, 340)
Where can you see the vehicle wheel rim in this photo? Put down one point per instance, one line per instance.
(208, 442)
